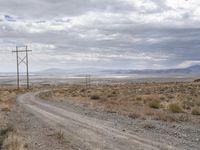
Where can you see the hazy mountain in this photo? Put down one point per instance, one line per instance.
(71, 71)
(53, 70)
(189, 70)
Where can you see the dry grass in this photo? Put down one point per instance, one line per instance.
(60, 135)
(196, 111)
(7, 96)
(175, 108)
(154, 104)
(13, 142)
(9, 139)
(135, 100)
(5, 107)
(166, 116)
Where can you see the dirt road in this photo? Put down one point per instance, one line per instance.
(87, 132)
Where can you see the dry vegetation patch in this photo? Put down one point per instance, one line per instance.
(175, 108)
(7, 95)
(154, 104)
(10, 139)
(162, 101)
(196, 111)
(13, 142)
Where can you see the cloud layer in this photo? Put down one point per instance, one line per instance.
(125, 34)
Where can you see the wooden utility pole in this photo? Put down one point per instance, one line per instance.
(17, 54)
(88, 81)
(27, 70)
(22, 60)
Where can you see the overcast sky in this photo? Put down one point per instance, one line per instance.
(109, 34)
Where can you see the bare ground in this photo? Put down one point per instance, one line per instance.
(42, 123)
(36, 133)
(105, 117)
(171, 102)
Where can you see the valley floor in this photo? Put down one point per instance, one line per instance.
(71, 118)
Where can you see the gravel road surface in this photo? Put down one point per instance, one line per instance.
(89, 133)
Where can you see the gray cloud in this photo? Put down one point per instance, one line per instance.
(109, 33)
(51, 9)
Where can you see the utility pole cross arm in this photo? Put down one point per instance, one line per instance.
(22, 51)
(22, 60)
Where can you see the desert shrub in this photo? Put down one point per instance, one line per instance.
(114, 92)
(95, 97)
(9, 139)
(159, 115)
(167, 117)
(5, 109)
(138, 98)
(110, 95)
(196, 111)
(13, 142)
(183, 118)
(148, 126)
(197, 80)
(7, 129)
(46, 95)
(162, 98)
(82, 90)
(134, 115)
(154, 104)
(170, 96)
(60, 135)
(187, 104)
(175, 108)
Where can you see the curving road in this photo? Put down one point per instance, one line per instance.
(88, 133)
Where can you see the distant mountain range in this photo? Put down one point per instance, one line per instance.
(53, 70)
(189, 70)
(70, 71)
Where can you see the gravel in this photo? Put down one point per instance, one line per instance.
(41, 136)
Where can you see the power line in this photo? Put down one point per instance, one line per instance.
(4, 51)
(22, 60)
(87, 80)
